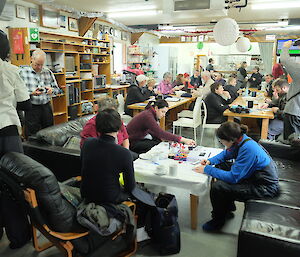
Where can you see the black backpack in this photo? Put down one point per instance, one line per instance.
(163, 227)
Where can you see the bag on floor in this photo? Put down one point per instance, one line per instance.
(164, 228)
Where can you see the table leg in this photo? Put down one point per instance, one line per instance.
(264, 129)
(194, 202)
(230, 118)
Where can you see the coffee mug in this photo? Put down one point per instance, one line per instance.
(173, 170)
(250, 104)
(253, 94)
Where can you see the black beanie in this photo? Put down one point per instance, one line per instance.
(4, 45)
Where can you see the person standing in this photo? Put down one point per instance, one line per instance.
(292, 107)
(252, 175)
(136, 94)
(13, 96)
(242, 75)
(41, 85)
(210, 66)
(196, 79)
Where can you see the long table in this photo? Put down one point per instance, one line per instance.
(197, 184)
(174, 108)
(256, 113)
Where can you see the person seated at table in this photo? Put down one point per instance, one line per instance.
(216, 104)
(187, 82)
(144, 130)
(165, 87)
(219, 78)
(102, 161)
(196, 79)
(256, 78)
(136, 94)
(90, 129)
(179, 81)
(269, 79)
(252, 174)
(281, 87)
(205, 88)
(150, 84)
(231, 88)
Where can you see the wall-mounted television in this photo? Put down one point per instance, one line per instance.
(294, 50)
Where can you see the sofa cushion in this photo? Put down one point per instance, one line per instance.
(73, 142)
(269, 230)
(288, 170)
(59, 214)
(59, 134)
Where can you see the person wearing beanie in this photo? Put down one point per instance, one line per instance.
(14, 96)
(136, 93)
(41, 85)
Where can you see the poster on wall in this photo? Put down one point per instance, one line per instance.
(73, 24)
(33, 15)
(20, 12)
(62, 21)
(49, 17)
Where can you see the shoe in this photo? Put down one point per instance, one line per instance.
(213, 225)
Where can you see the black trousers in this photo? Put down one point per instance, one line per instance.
(39, 117)
(223, 195)
(143, 145)
(10, 144)
(291, 124)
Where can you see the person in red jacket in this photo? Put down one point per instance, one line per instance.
(145, 132)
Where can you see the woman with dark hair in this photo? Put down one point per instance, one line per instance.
(144, 131)
(252, 175)
(103, 160)
(216, 104)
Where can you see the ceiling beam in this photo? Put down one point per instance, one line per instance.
(85, 24)
(135, 37)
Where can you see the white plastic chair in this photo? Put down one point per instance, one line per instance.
(205, 125)
(126, 118)
(194, 123)
(187, 113)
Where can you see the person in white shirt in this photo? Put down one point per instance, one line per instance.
(204, 90)
(14, 95)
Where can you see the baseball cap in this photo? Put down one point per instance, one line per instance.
(296, 42)
(141, 78)
(4, 45)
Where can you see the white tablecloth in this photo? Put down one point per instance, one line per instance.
(186, 178)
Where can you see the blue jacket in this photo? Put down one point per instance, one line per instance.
(249, 158)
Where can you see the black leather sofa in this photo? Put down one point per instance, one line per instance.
(57, 148)
(18, 172)
(271, 227)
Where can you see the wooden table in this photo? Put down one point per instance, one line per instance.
(109, 89)
(265, 114)
(174, 108)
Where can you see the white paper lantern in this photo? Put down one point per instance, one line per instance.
(226, 31)
(243, 44)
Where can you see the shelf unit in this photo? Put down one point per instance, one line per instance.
(90, 57)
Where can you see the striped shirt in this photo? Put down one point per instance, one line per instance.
(34, 80)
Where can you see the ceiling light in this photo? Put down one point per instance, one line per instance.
(272, 24)
(282, 5)
(133, 8)
(133, 14)
(286, 28)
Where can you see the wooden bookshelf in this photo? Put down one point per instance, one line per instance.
(85, 51)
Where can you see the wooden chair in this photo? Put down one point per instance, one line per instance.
(61, 240)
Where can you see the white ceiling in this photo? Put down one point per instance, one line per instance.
(186, 17)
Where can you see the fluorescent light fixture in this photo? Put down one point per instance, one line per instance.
(133, 8)
(133, 14)
(280, 5)
(286, 28)
(273, 24)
